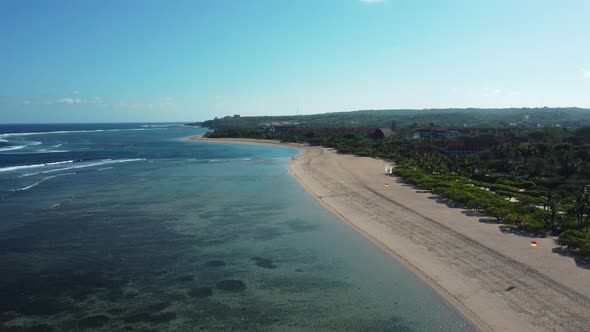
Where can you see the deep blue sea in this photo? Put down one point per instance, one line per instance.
(126, 227)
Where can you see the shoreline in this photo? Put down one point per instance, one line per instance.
(449, 298)
(498, 286)
(247, 141)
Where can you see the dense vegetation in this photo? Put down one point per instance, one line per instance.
(521, 117)
(539, 183)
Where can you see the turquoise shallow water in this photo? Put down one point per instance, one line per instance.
(183, 236)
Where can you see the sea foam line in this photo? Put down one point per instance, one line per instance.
(17, 147)
(12, 147)
(225, 160)
(71, 132)
(161, 125)
(103, 162)
(43, 180)
(48, 151)
(14, 168)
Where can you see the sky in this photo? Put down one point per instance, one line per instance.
(142, 60)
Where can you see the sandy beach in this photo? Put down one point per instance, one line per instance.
(496, 278)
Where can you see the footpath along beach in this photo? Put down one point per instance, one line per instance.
(496, 278)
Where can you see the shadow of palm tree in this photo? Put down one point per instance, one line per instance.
(582, 262)
(490, 221)
(514, 230)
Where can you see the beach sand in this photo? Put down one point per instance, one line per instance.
(495, 278)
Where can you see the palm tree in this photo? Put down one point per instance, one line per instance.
(582, 207)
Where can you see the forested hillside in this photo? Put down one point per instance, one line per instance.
(519, 117)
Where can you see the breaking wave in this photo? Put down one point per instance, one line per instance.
(15, 168)
(12, 147)
(70, 132)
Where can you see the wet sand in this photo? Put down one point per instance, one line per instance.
(496, 278)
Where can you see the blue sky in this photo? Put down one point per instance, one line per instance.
(88, 61)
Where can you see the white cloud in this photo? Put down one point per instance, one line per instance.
(161, 103)
(586, 74)
(73, 101)
(154, 104)
(36, 102)
(93, 100)
(498, 93)
(68, 101)
(491, 92)
(513, 94)
(372, 1)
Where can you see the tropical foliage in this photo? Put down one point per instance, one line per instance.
(538, 184)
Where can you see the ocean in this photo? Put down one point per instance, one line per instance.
(126, 227)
